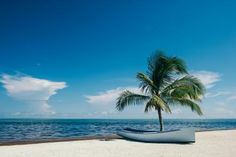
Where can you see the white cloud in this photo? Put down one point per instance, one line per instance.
(208, 78)
(31, 90)
(228, 95)
(232, 97)
(222, 111)
(109, 96)
(216, 94)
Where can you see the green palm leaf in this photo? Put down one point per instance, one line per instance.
(156, 102)
(188, 87)
(128, 98)
(167, 83)
(162, 68)
(188, 103)
(146, 84)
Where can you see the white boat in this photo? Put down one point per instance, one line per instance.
(185, 135)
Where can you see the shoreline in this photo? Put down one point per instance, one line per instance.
(52, 140)
(82, 138)
(219, 143)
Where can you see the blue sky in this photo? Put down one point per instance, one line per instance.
(72, 58)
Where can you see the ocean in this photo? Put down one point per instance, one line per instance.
(35, 129)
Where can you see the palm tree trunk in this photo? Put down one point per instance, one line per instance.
(160, 119)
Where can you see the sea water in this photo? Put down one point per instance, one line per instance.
(33, 129)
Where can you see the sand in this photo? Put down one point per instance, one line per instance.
(208, 144)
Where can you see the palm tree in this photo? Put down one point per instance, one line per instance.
(165, 84)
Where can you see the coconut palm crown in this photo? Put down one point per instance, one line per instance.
(165, 84)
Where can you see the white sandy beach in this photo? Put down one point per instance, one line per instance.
(208, 144)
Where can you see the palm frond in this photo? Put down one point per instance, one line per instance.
(129, 98)
(188, 103)
(186, 87)
(162, 68)
(156, 102)
(164, 87)
(146, 84)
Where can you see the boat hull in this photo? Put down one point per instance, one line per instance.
(186, 135)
